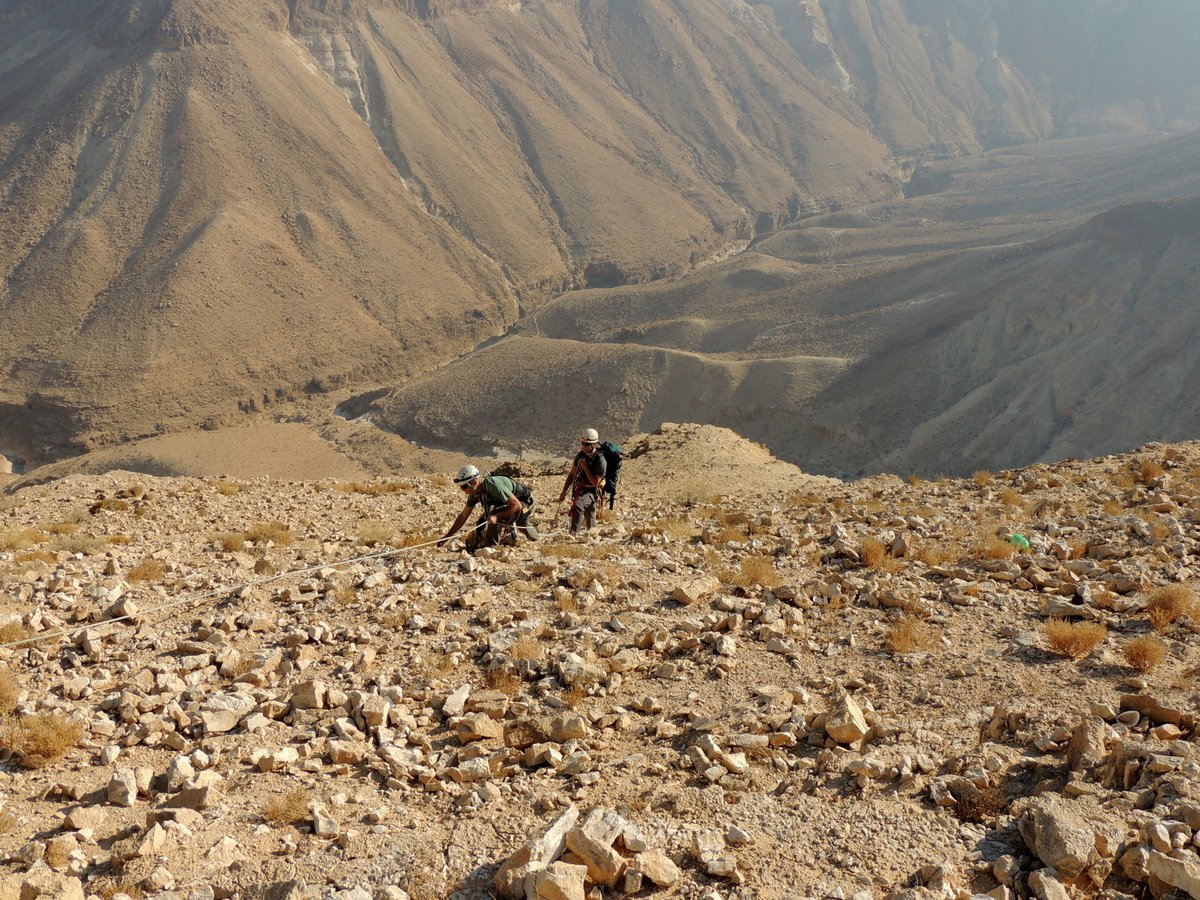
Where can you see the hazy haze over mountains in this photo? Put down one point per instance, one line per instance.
(212, 208)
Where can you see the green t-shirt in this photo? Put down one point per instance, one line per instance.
(498, 489)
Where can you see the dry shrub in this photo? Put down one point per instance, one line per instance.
(8, 822)
(936, 553)
(1169, 603)
(59, 528)
(1145, 652)
(1010, 497)
(41, 738)
(563, 551)
(78, 543)
(149, 569)
(503, 680)
(229, 541)
(118, 540)
(413, 538)
(1148, 471)
(726, 535)
(1074, 639)
(286, 809)
(21, 539)
(910, 633)
(872, 553)
(372, 534)
(10, 692)
(526, 647)
(676, 527)
(606, 515)
(757, 570)
(270, 532)
(342, 595)
(226, 488)
(108, 886)
(108, 504)
(569, 603)
(13, 630)
(441, 480)
(374, 488)
(993, 546)
(1113, 507)
(574, 695)
(915, 480)
(28, 556)
(982, 807)
(982, 478)
(58, 854)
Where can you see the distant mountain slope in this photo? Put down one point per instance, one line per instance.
(871, 351)
(211, 205)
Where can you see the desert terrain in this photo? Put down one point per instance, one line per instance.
(224, 215)
(746, 682)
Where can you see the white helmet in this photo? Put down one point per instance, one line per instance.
(466, 474)
(590, 436)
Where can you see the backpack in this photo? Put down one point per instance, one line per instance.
(613, 457)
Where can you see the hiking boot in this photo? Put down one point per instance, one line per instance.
(531, 532)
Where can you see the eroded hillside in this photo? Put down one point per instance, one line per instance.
(214, 207)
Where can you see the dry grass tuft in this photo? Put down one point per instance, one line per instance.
(574, 695)
(78, 543)
(372, 534)
(29, 556)
(982, 478)
(286, 809)
(229, 541)
(13, 630)
(1169, 603)
(227, 488)
(1011, 497)
(60, 528)
(21, 539)
(676, 527)
(757, 571)
(872, 553)
(1074, 639)
(1113, 508)
(936, 553)
(41, 738)
(10, 692)
(8, 822)
(503, 680)
(272, 532)
(1148, 471)
(910, 633)
(1145, 652)
(106, 887)
(374, 488)
(149, 569)
(564, 551)
(412, 538)
(527, 647)
(993, 546)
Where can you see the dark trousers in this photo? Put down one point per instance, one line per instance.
(583, 510)
(484, 534)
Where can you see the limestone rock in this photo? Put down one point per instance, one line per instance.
(845, 722)
(535, 855)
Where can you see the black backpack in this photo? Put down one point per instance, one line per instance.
(613, 457)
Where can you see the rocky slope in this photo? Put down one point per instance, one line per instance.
(749, 682)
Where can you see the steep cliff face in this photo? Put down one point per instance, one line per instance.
(945, 76)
